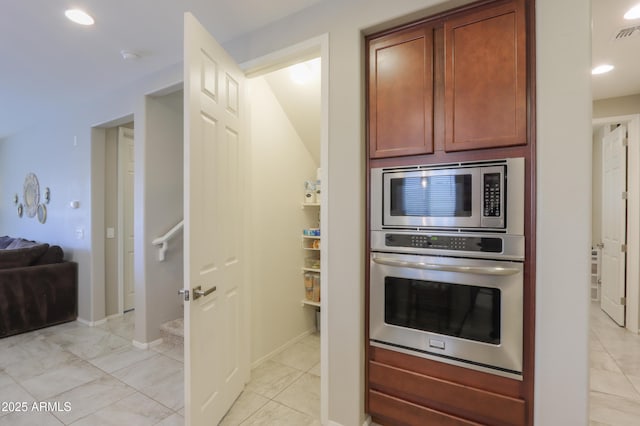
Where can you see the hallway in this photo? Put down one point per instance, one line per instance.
(614, 372)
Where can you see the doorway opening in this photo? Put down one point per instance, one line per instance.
(112, 209)
(118, 217)
(615, 223)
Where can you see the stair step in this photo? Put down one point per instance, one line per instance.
(173, 331)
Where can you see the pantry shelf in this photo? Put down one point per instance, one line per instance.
(310, 303)
(310, 205)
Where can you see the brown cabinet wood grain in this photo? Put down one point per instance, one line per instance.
(400, 89)
(447, 396)
(486, 78)
(391, 411)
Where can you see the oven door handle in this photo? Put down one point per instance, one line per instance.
(482, 270)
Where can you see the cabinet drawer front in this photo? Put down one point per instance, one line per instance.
(405, 413)
(476, 404)
(400, 107)
(485, 78)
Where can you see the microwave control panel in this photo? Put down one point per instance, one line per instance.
(492, 195)
(445, 242)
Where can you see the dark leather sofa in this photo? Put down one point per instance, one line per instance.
(38, 288)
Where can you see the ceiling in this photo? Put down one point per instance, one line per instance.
(621, 53)
(49, 62)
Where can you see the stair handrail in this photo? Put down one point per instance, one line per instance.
(164, 239)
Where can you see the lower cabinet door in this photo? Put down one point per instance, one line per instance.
(391, 411)
(443, 396)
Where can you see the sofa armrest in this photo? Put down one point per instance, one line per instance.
(33, 297)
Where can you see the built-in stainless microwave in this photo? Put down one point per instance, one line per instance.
(465, 196)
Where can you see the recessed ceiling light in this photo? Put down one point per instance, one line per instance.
(633, 13)
(79, 16)
(601, 69)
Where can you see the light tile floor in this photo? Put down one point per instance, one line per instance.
(109, 382)
(614, 372)
(97, 378)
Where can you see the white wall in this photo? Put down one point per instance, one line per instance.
(614, 107)
(58, 149)
(563, 212)
(280, 163)
(111, 220)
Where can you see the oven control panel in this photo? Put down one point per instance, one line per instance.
(445, 242)
(492, 196)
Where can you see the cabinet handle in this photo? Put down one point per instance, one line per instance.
(197, 292)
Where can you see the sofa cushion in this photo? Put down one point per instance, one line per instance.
(20, 257)
(54, 254)
(5, 241)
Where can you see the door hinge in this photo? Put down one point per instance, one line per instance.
(625, 195)
(185, 293)
(623, 248)
(625, 142)
(623, 301)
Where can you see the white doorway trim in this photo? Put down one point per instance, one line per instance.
(312, 48)
(633, 215)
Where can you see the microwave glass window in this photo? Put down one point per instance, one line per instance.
(431, 196)
(464, 311)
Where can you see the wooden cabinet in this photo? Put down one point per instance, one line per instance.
(463, 74)
(454, 87)
(485, 78)
(401, 394)
(400, 92)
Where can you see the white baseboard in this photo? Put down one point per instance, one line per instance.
(367, 422)
(276, 351)
(149, 345)
(91, 323)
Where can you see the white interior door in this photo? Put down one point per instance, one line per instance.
(614, 223)
(216, 365)
(126, 169)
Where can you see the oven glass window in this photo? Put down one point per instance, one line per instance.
(431, 196)
(458, 310)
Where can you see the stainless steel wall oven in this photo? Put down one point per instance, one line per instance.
(451, 290)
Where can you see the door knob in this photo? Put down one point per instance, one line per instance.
(198, 292)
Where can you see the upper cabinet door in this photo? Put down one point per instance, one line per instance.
(485, 78)
(400, 107)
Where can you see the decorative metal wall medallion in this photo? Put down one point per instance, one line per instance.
(42, 213)
(31, 195)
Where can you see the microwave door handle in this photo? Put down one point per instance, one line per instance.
(482, 270)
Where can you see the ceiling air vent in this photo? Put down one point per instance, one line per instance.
(627, 32)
